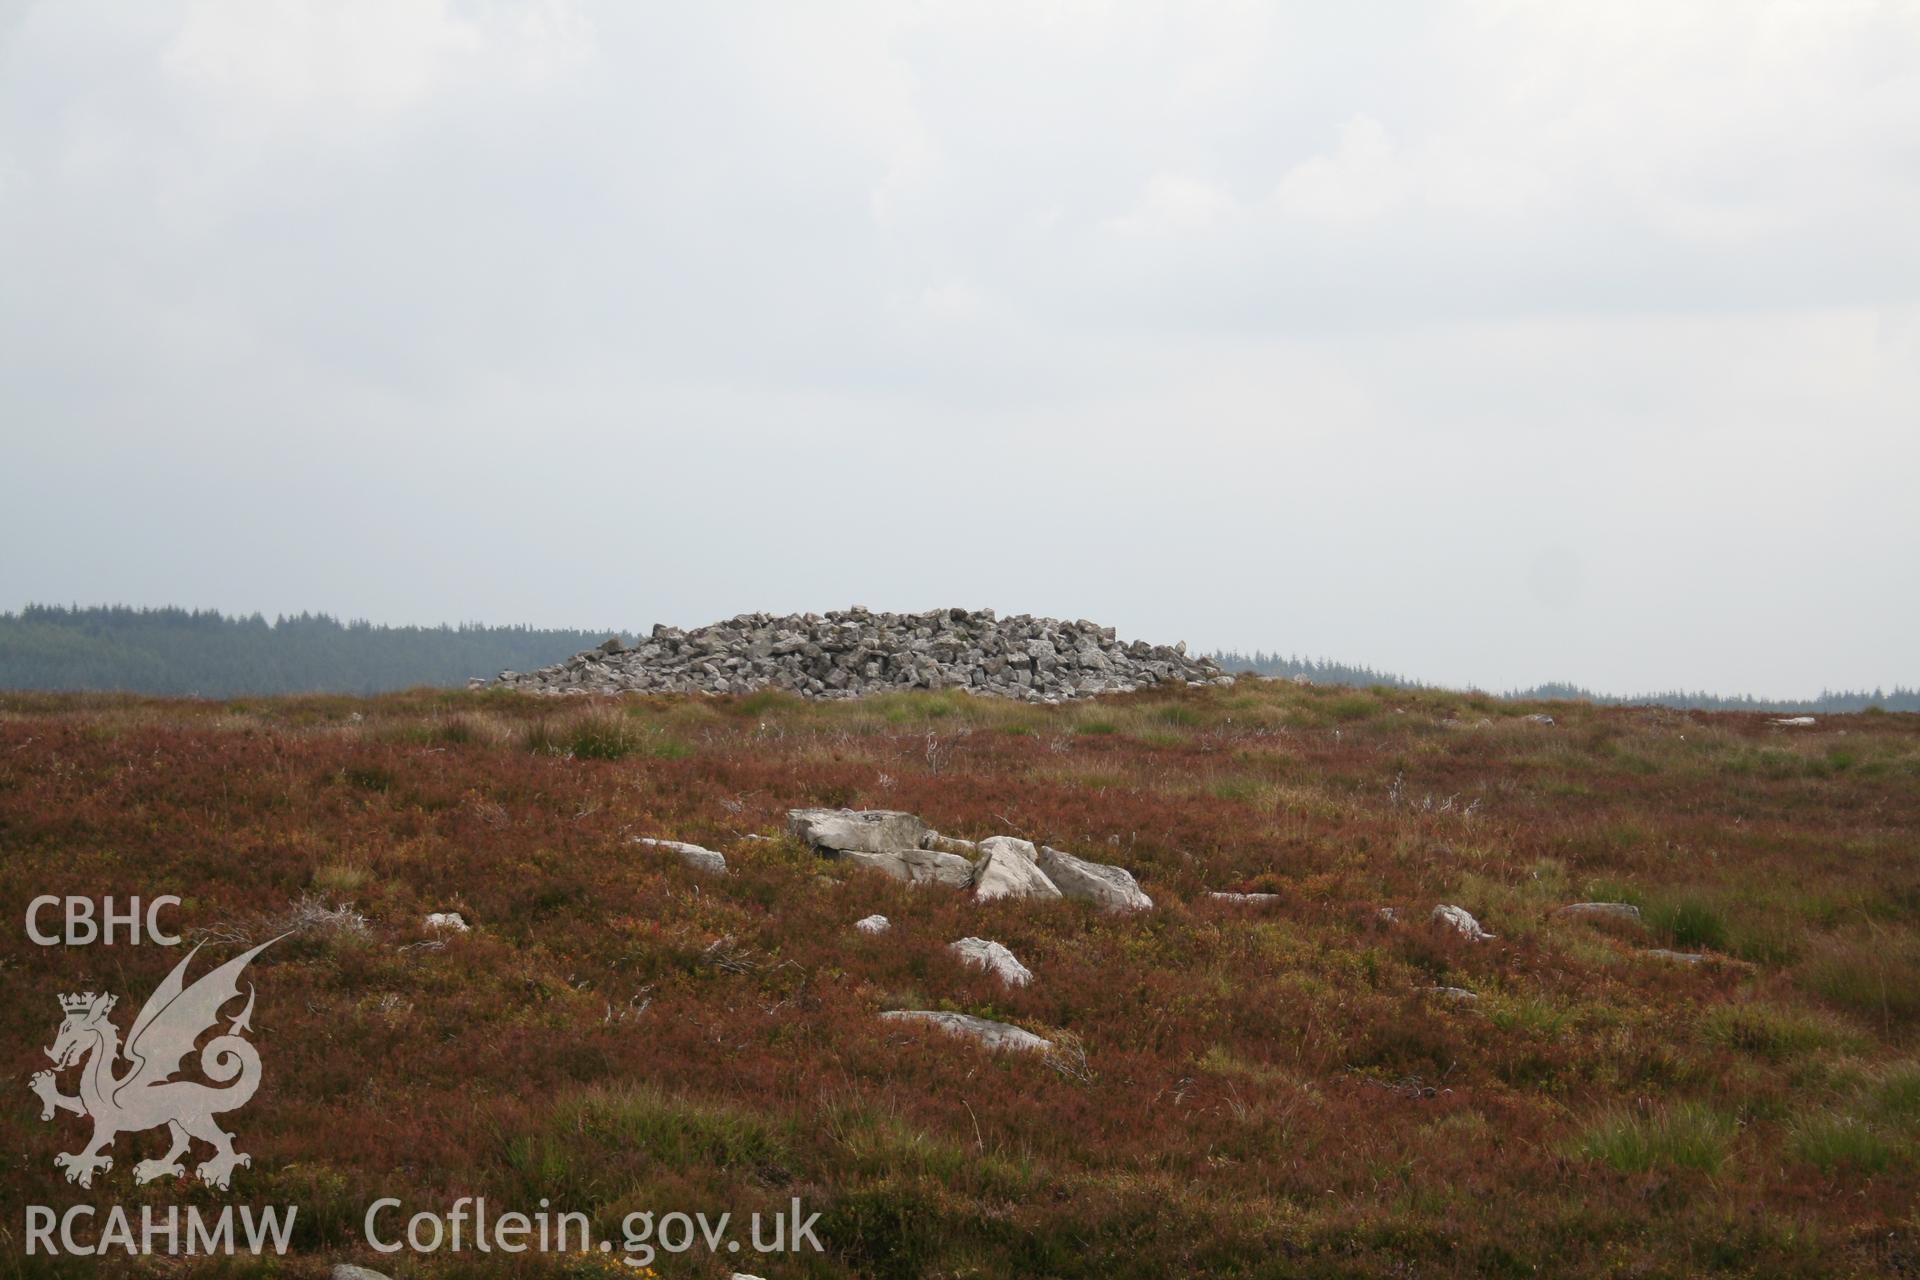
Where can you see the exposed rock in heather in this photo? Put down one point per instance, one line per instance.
(991, 1034)
(1251, 899)
(1459, 995)
(854, 652)
(1110, 888)
(1006, 870)
(916, 866)
(447, 922)
(950, 844)
(692, 854)
(873, 924)
(861, 830)
(347, 1271)
(1461, 921)
(1011, 845)
(994, 958)
(1674, 957)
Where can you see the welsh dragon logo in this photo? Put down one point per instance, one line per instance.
(143, 1096)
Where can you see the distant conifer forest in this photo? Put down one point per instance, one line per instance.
(1831, 702)
(205, 653)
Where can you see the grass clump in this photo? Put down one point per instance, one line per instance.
(1686, 1136)
(339, 878)
(1352, 707)
(674, 1132)
(1690, 923)
(1896, 1095)
(1839, 1143)
(1873, 978)
(1767, 1032)
(590, 737)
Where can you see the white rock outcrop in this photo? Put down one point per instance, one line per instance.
(994, 958)
(1248, 899)
(692, 854)
(857, 830)
(1461, 921)
(873, 924)
(1110, 888)
(916, 866)
(447, 921)
(1007, 869)
(991, 1034)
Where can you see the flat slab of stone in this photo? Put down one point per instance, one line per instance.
(915, 866)
(1246, 899)
(1006, 870)
(994, 958)
(857, 830)
(1674, 957)
(692, 854)
(985, 1031)
(1461, 921)
(1110, 888)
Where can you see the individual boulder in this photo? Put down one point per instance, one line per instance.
(949, 844)
(692, 854)
(347, 1271)
(873, 924)
(1012, 845)
(990, 1034)
(1244, 899)
(994, 958)
(1688, 958)
(916, 866)
(1461, 921)
(447, 921)
(1006, 869)
(857, 830)
(1110, 888)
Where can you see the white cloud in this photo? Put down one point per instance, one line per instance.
(1361, 180)
(1383, 307)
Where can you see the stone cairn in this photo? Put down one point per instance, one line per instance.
(857, 652)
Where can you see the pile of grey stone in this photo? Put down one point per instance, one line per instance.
(856, 652)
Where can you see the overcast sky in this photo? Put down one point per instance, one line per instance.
(1484, 342)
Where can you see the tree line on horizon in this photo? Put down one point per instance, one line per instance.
(1830, 702)
(205, 653)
